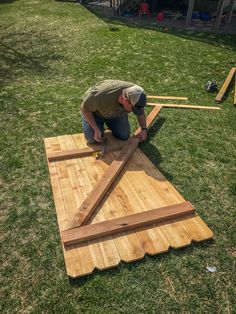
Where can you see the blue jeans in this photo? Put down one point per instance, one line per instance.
(119, 127)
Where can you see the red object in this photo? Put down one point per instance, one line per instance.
(160, 16)
(144, 9)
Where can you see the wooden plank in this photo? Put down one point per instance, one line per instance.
(168, 97)
(78, 261)
(96, 195)
(128, 245)
(150, 118)
(184, 106)
(85, 151)
(100, 255)
(110, 227)
(225, 85)
(73, 153)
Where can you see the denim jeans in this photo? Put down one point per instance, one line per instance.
(119, 127)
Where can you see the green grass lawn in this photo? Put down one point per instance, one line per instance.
(50, 53)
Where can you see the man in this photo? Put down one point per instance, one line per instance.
(109, 102)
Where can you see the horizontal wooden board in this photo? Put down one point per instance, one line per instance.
(140, 187)
(184, 106)
(118, 225)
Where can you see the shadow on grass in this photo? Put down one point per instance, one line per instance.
(25, 50)
(151, 151)
(6, 1)
(212, 38)
(189, 250)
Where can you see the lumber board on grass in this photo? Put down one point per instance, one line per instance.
(225, 85)
(155, 111)
(184, 106)
(110, 227)
(168, 97)
(96, 195)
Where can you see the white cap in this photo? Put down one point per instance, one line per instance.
(133, 93)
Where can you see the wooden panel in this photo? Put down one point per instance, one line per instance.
(184, 106)
(225, 85)
(140, 187)
(118, 225)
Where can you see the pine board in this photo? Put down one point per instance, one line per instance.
(139, 187)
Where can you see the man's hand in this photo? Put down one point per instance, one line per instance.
(98, 136)
(143, 135)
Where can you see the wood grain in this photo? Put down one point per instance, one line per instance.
(225, 85)
(110, 227)
(184, 106)
(100, 189)
(168, 97)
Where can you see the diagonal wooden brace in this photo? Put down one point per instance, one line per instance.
(89, 205)
(121, 224)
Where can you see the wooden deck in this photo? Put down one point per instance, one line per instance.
(139, 187)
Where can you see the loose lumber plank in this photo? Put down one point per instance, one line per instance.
(184, 106)
(96, 195)
(168, 97)
(150, 118)
(110, 227)
(225, 85)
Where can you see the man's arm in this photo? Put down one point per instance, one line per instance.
(91, 121)
(143, 125)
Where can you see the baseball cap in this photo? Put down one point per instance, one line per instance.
(137, 97)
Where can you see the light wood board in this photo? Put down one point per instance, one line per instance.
(139, 187)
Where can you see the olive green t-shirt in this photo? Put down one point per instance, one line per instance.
(103, 98)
